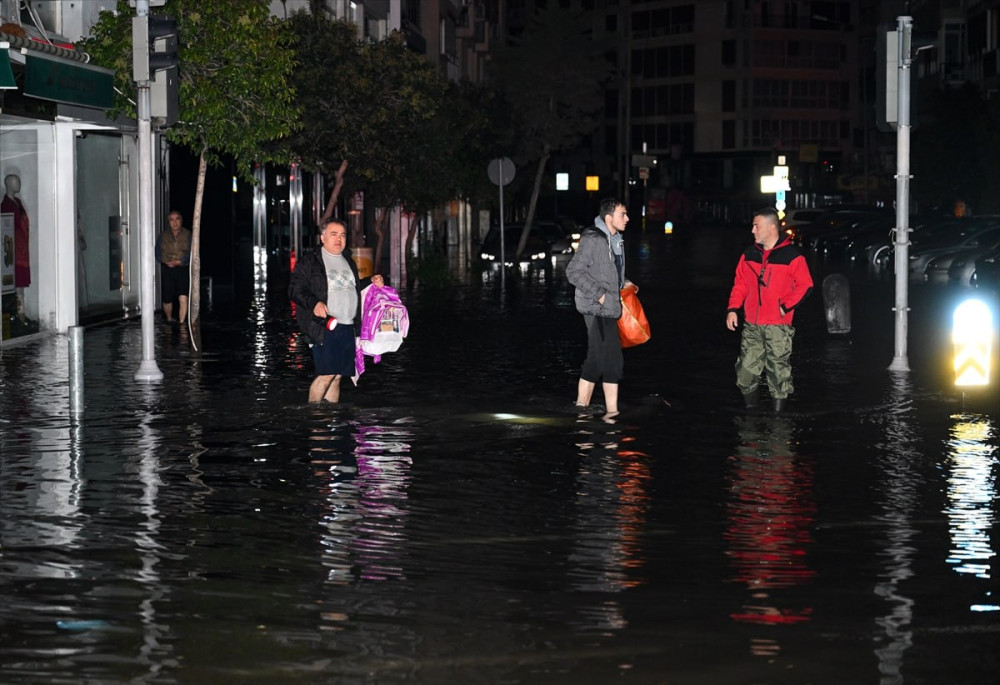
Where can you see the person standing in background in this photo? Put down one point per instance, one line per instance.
(173, 252)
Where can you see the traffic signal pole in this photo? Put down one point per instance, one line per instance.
(148, 370)
(904, 29)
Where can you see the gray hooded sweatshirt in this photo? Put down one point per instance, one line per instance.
(593, 271)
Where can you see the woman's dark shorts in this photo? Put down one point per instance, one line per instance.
(335, 357)
(604, 362)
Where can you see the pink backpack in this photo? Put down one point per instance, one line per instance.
(384, 324)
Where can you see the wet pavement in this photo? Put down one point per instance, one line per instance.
(455, 520)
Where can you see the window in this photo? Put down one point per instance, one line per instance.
(728, 135)
(729, 53)
(729, 96)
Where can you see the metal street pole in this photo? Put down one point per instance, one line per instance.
(148, 370)
(904, 28)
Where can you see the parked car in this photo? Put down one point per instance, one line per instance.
(927, 233)
(835, 245)
(537, 250)
(797, 217)
(832, 217)
(987, 272)
(956, 268)
(923, 254)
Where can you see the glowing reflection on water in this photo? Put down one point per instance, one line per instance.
(971, 496)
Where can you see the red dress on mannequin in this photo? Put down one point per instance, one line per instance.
(22, 256)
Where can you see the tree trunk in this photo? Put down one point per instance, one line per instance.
(413, 227)
(331, 203)
(411, 234)
(194, 301)
(381, 222)
(535, 189)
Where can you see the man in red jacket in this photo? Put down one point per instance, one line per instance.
(772, 279)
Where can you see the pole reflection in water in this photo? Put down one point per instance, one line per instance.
(971, 496)
(611, 510)
(900, 497)
(770, 513)
(156, 642)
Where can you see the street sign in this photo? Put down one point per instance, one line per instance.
(971, 333)
(501, 171)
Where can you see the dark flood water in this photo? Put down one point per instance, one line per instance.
(455, 521)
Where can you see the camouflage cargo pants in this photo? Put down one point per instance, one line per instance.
(766, 349)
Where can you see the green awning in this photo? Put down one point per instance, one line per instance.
(6, 73)
(73, 83)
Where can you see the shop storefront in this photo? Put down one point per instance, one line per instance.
(69, 249)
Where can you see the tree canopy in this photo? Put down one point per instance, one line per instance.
(553, 76)
(234, 62)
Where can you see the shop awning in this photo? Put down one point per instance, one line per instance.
(59, 80)
(6, 73)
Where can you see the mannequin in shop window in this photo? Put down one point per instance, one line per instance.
(11, 204)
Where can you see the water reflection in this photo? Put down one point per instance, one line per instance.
(364, 469)
(156, 644)
(611, 509)
(42, 480)
(971, 496)
(770, 513)
(900, 497)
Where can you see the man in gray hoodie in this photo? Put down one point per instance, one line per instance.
(597, 271)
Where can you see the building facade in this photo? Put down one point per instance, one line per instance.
(69, 215)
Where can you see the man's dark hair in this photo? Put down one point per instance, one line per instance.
(769, 213)
(609, 204)
(333, 220)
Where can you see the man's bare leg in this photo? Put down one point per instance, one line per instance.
(182, 302)
(168, 310)
(584, 391)
(333, 392)
(611, 399)
(319, 387)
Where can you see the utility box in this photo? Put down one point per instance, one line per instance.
(887, 80)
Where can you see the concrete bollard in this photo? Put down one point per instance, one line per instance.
(837, 302)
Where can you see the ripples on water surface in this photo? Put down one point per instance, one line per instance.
(456, 521)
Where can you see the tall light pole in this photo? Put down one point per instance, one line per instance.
(148, 370)
(904, 27)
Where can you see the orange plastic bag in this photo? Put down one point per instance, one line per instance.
(633, 328)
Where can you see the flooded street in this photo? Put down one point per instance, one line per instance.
(455, 520)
